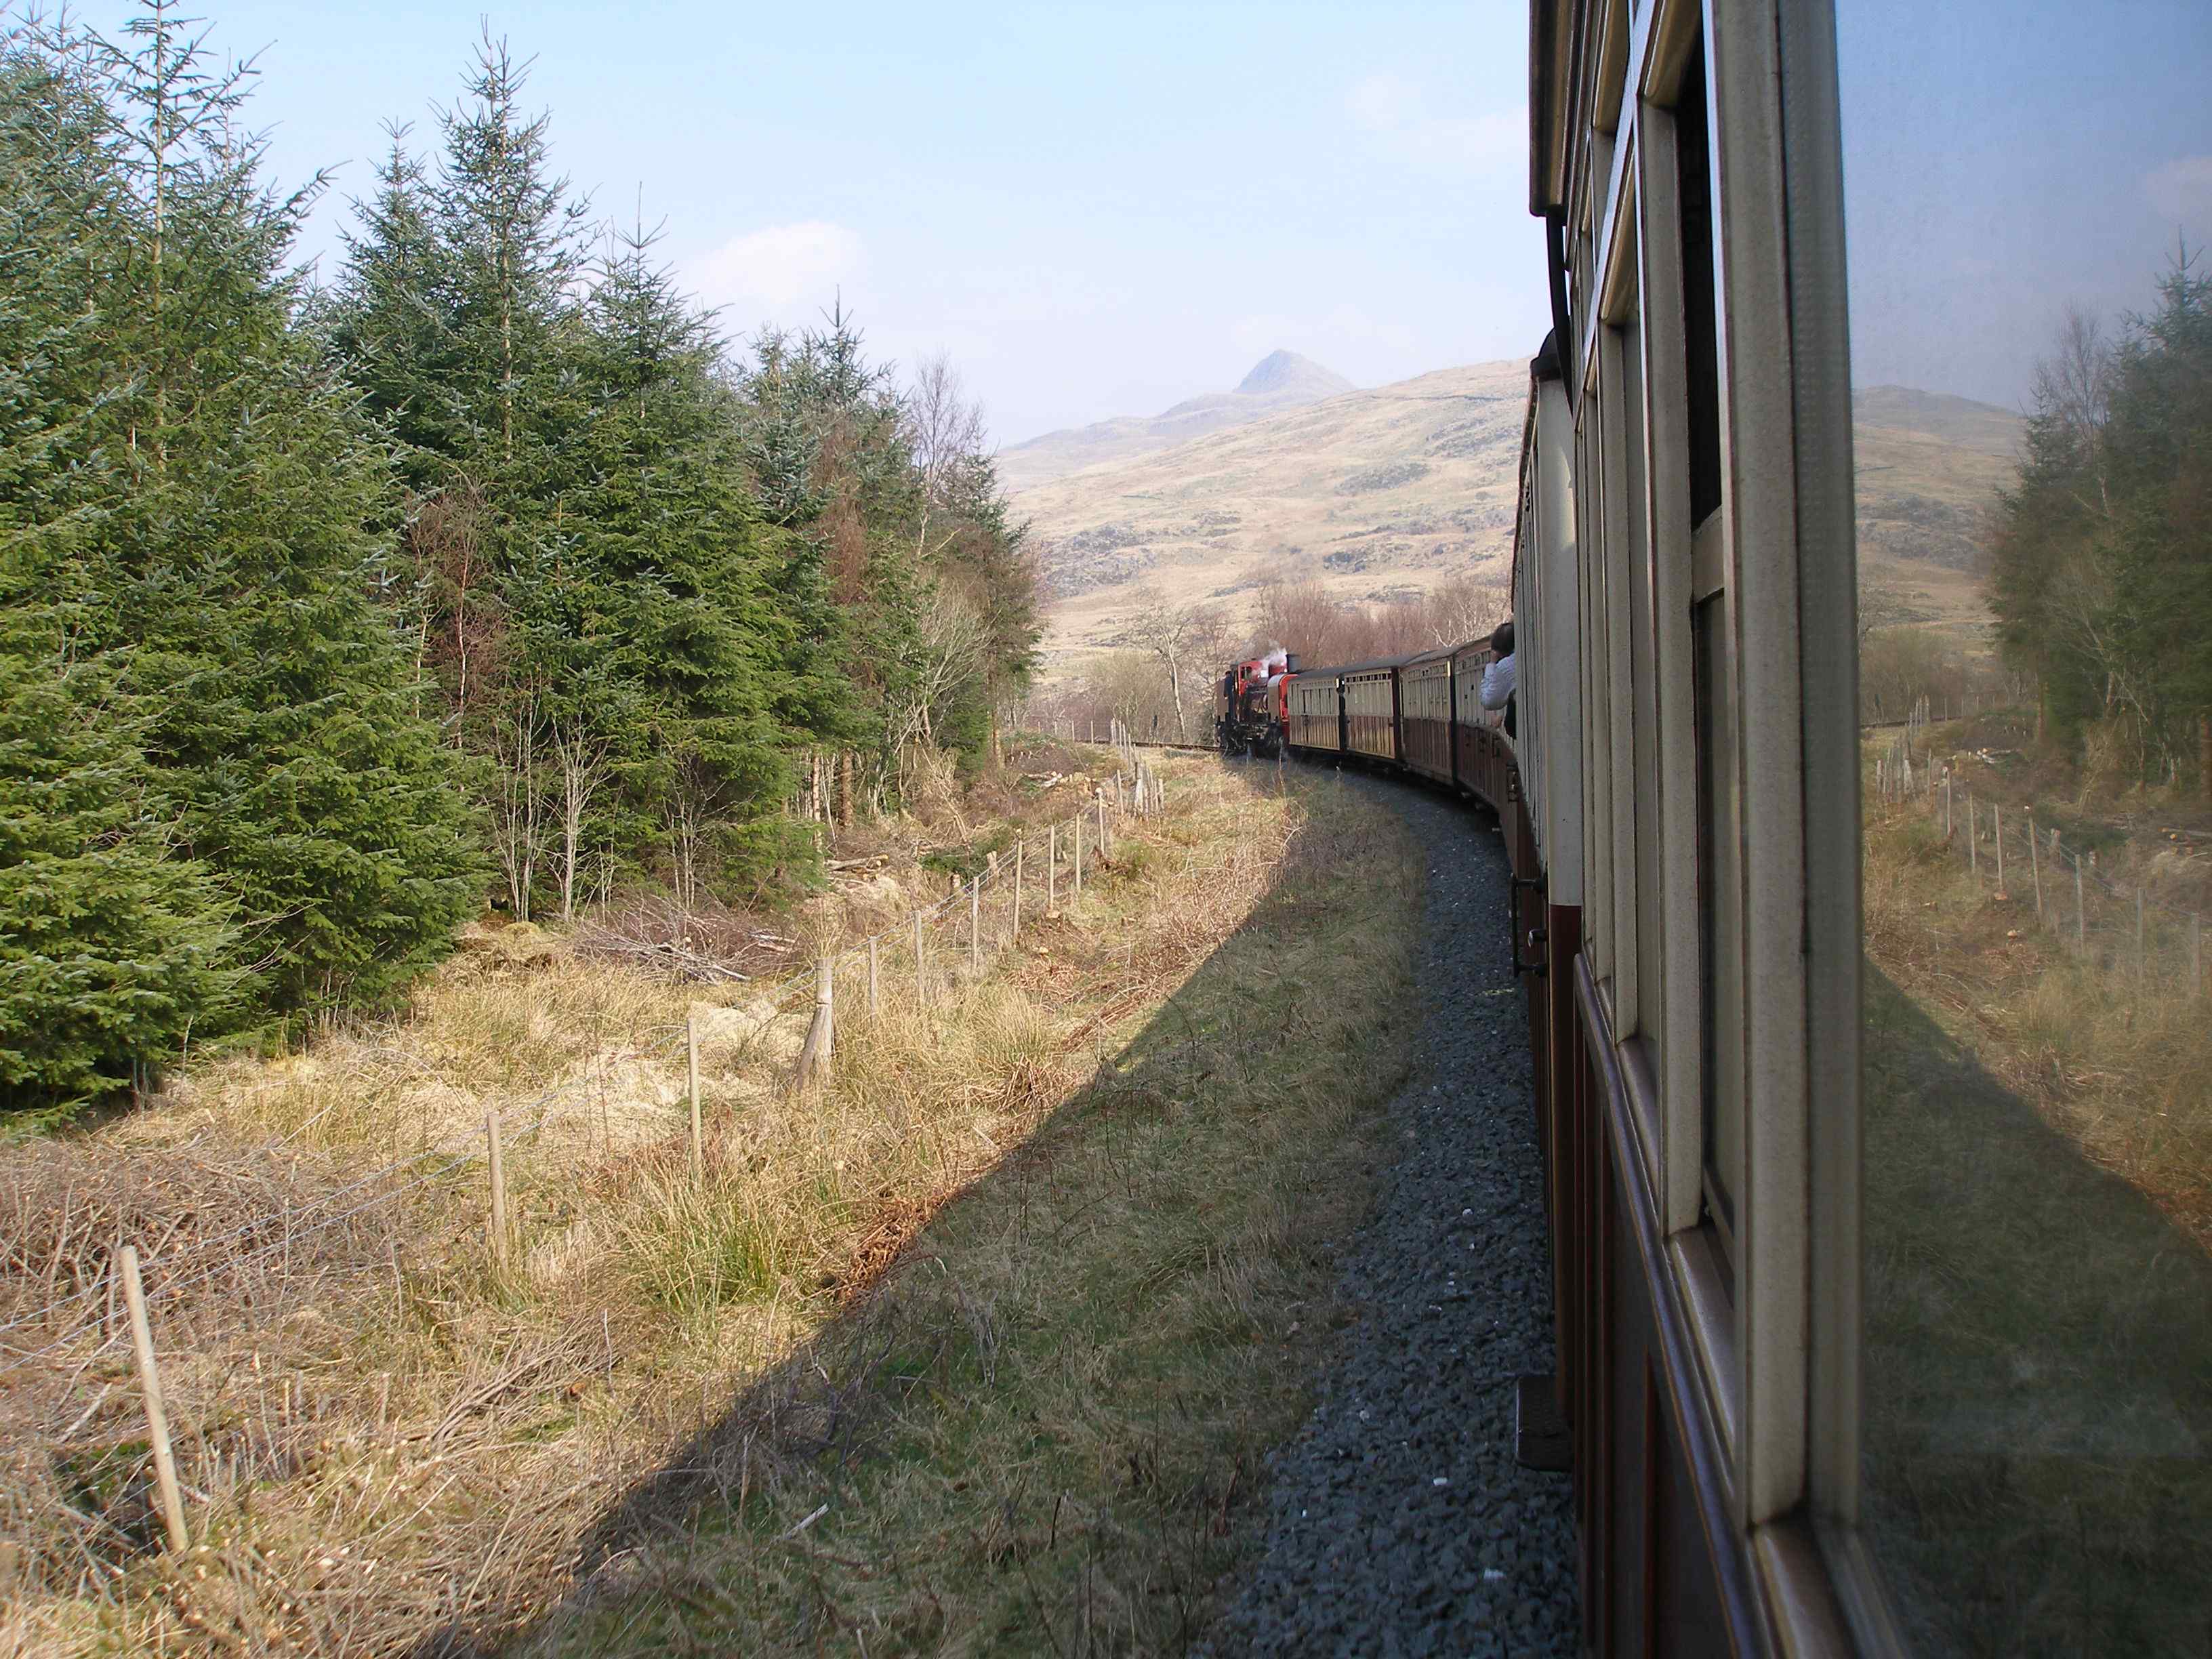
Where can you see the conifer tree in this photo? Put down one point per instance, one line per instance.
(186, 497)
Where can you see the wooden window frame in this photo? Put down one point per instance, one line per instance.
(1786, 1375)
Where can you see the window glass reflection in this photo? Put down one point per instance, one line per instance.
(2028, 189)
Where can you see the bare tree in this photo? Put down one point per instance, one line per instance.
(955, 648)
(946, 429)
(1467, 608)
(1185, 640)
(684, 812)
(2074, 385)
(584, 765)
(517, 741)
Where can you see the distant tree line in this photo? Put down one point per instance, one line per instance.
(488, 570)
(2101, 560)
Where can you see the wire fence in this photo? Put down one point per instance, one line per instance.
(928, 957)
(2019, 857)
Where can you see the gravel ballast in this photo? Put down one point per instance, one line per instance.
(1398, 1521)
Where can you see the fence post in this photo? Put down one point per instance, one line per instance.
(2081, 915)
(814, 1055)
(920, 966)
(1947, 806)
(498, 1173)
(2196, 955)
(975, 925)
(691, 1090)
(871, 976)
(1078, 831)
(1105, 835)
(1974, 842)
(1052, 870)
(1021, 845)
(2034, 867)
(1996, 816)
(2143, 963)
(157, 1419)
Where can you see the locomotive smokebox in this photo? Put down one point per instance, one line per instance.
(1290, 662)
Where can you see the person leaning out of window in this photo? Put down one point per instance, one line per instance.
(1500, 679)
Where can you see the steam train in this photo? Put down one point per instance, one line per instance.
(1250, 710)
(1681, 813)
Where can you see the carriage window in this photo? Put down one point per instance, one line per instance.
(1636, 572)
(2031, 330)
(1694, 171)
(1719, 916)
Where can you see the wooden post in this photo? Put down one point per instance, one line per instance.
(2081, 915)
(691, 1091)
(1996, 816)
(157, 1419)
(975, 925)
(498, 1188)
(2143, 963)
(1104, 848)
(814, 1055)
(2196, 955)
(1973, 840)
(1078, 831)
(2034, 867)
(1052, 870)
(1021, 845)
(873, 1001)
(921, 965)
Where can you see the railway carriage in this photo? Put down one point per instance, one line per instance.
(1315, 723)
(1370, 710)
(1482, 754)
(1427, 690)
(1688, 763)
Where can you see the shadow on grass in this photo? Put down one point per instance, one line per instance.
(1035, 1433)
(2039, 1378)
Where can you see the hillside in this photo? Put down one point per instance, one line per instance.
(1278, 381)
(1384, 493)
(1929, 467)
(1374, 494)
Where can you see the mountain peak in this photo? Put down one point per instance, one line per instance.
(1286, 371)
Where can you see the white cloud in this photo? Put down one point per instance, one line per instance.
(777, 270)
(2181, 190)
(1396, 115)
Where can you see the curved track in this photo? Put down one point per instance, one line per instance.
(1399, 1522)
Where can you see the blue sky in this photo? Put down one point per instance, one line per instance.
(1095, 210)
(2002, 160)
(1099, 210)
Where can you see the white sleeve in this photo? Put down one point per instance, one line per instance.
(1497, 683)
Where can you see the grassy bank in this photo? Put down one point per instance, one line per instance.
(974, 1347)
(2038, 1293)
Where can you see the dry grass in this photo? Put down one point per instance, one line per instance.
(2038, 1207)
(1075, 1194)
(2121, 1065)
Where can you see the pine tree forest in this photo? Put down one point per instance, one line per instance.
(486, 569)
